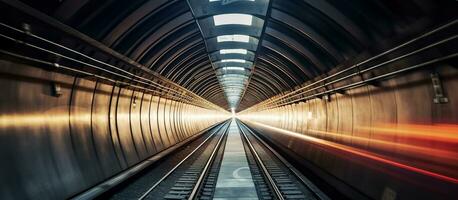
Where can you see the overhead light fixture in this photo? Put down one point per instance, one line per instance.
(227, 2)
(233, 38)
(234, 60)
(233, 19)
(229, 51)
(234, 68)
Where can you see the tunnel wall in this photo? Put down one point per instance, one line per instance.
(374, 141)
(55, 146)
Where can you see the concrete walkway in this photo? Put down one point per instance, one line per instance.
(234, 179)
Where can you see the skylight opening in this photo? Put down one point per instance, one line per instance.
(233, 38)
(229, 51)
(233, 19)
(234, 68)
(227, 2)
(233, 60)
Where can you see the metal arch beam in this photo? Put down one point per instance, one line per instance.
(161, 53)
(132, 20)
(182, 27)
(190, 62)
(197, 75)
(273, 71)
(206, 85)
(216, 96)
(147, 26)
(295, 46)
(157, 49)
(272, 85)
(210, 84)
(293, 71)
(201, 85)
(158, 52)
(198, 86)
(176, 51)
(205, 74)
(210, 94)
(276, 81)
(184, 73)
(255, 92)
(272, 46)
(324, 12)
(202, 76)
(250, 100)
(182, 69)
(213, 91)
(306, 31)
(201, 71)
(261, 38)
(273, 62)
(262, 85)
(251, 95)
(202, 34)
(214, 87)
(338, 18)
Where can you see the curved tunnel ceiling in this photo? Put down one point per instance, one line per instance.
(294, 41)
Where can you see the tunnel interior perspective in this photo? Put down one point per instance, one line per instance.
(229, 99)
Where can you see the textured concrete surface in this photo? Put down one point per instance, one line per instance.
(234, 179)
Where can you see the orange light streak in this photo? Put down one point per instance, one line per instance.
(405, 148)
(362, 153)
(439, 132)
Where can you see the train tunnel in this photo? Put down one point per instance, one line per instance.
(228, 99)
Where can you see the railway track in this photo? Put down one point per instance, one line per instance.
(184, 180)
(156, 180)
(274, 176)
(195, 176)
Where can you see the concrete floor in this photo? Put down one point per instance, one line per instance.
(234, 179)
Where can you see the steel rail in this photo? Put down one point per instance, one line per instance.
(205, 171)
(312, 187)
(357, 65)
(266, 173)
(145, 194)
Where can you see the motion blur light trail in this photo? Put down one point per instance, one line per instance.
(440, 132)
(410, 149)
(381, 158)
